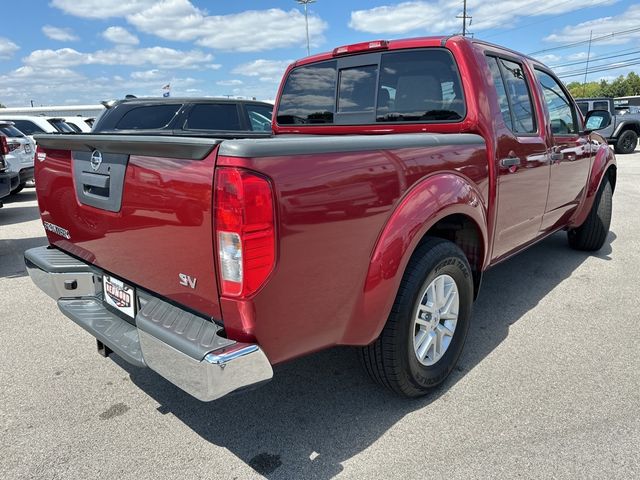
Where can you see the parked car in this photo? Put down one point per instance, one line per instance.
(31, 125)
(8, 180)
(197, 116)
(624, 128)
(456, 153)
(78, 124)
(18, 152)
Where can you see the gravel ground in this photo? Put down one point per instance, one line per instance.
(548, 385)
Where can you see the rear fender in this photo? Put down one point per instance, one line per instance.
(429, 201)
(603, 160)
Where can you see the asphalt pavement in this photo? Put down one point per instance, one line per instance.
(548, 385)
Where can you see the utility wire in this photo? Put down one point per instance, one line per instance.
(535, 14)
(577, 73)
(621, 33)
(597, 59)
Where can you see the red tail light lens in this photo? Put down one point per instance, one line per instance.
(245, 230)
(4, 146)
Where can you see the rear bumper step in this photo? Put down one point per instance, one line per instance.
(185, 349)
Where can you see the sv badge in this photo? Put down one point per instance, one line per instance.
(187, 281)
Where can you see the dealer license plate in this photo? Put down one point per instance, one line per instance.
(119, 295)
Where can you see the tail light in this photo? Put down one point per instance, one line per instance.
(244, 230)
(361, 47)
(4, 146)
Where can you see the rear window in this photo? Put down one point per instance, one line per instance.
(212, 116)
(27, 127)
(61, 126)
(357, 89)
(148, 117)
(10, 131)
(309, 95)
(419, 86)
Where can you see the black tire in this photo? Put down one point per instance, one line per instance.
(627, 142)
(591, 235)
(391, 360)
(18, 189)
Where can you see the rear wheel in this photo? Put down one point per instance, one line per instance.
(592, 234)
(19, 188)
(426, 330)
(627, 142)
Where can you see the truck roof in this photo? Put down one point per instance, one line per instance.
(417, 42)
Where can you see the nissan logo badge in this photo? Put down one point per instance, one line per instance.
(96, 160)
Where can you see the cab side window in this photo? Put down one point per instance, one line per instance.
(501, 90)
(514, 95)
(562, 114)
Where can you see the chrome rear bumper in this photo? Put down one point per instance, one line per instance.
(184, 348)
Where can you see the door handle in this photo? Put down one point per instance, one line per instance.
(510, 161)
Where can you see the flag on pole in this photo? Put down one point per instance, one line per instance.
(166, 90)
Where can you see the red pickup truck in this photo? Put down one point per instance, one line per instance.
(397, 173)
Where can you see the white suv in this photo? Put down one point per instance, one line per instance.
(31, 125)
(18, 153)
(79, 124)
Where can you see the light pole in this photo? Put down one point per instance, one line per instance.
(306, 19)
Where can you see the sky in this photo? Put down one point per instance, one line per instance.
(57, 52)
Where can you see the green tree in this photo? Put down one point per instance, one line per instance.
(620, 87)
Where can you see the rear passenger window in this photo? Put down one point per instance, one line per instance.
(309, 95)
(259, 117)
(419, 85)
(214, 116)
(148, 117)
(501, 90)
(519, 96)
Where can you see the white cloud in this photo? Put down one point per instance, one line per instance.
(7, 48)
(248, 31)
(228, 83)
(59, 34)
(120, 35)
(601, 27)
(122, 55)
(154, 74)
(404, 17)
(548, 59)
(180, 20)
(267, 70)
(56, 85)
(579, 56)
(101, 8)
(439, 16)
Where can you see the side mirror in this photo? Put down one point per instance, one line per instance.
(597, 120)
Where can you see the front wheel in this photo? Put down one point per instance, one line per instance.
(592, 234)
(18, 189)
(426, 330)
(627, 142)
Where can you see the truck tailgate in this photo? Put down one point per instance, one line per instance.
(138, 207)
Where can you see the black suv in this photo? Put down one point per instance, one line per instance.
(185, 116)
